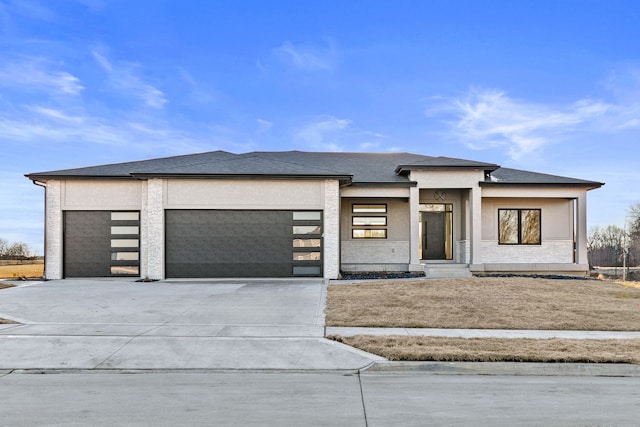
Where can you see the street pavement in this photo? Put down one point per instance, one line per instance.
(375, 399)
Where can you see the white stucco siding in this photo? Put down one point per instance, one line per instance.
(395, 249)
(556, 216)
(447, 179)
(244, 194)
(557, 230)
(106, 195)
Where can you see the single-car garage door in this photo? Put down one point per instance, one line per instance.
(226, 243)
(101, 243)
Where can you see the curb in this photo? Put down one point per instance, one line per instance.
(508, 369)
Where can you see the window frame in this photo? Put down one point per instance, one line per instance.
(376, 211)
(519, 227)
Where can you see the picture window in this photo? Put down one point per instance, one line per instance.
(519, 227)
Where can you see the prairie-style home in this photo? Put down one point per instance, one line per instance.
(310, 214)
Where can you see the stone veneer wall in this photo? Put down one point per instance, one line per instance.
(550, 251)
(152, 230)
(53, 224)
(331, 229)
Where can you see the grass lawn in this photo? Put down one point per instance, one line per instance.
(17, 271)
(489, 303)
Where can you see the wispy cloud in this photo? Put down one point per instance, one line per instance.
(34, 124)
(263, 126)
(125, 77)
(38, 74)
(323, 133)
(330, 133)
(490, 118)
(306, 57)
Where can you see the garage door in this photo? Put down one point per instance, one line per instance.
(224, 243)
(101, 243)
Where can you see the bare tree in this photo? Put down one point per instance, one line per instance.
(605, 246)
(4, 245)
(633, 215)
(18, 249)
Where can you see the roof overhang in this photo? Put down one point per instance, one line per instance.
(406, 169)
(406, 184)
(585, 185)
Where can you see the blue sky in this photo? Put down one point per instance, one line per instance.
(548, 86)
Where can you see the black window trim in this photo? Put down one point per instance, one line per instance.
(519, 233)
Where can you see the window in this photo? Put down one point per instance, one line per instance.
(369, 234)
(369, 220)
(365, 226)
(519, 227)
(369, 209)
(125, 229)
(306, 243)
(307, 216)
(125, 216)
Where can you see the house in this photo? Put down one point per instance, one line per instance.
(290, 214)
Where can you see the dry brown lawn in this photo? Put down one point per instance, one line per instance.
(17, 271)
(490, 303)
(5, 286)
(486, 303)
(497, 350)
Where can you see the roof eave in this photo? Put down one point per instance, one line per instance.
(143, 176)
(405, 169)
(39, 177)
(406, 184)
(587, 185)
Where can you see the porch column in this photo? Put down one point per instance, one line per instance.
(152, 230)
(414, 231)
(475, 199)
(581, 230)
(54, 230)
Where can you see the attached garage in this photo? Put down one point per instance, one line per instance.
(242, 243)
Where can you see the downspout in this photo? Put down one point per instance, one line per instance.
(44, 255)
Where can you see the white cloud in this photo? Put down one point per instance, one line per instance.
(124, 77)
(38, 74)
(324, 133)
(307, 58)
(490, 118)
(35, 124)
(263, 126)
(330, 133)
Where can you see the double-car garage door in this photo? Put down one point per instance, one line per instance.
(200, 244)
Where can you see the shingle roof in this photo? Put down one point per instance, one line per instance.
(507, 176)
(359, 168)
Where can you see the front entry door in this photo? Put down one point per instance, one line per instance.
(433, 235)
(436, 231)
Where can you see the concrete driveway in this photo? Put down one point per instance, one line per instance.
(230, 324)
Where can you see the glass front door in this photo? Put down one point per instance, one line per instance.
(436, 231)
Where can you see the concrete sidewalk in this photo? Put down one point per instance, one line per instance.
(482, 333)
